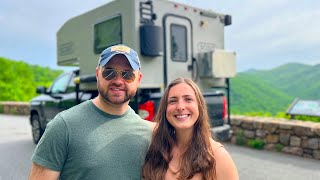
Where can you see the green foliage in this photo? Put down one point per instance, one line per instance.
(307, 118)
(240, 139)
(18, 80)
(270, 92)
(256, 143)
(279, 147)
(297, 80)
(1, 109)
(250, 94)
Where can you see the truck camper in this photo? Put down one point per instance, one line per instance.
(172, 40)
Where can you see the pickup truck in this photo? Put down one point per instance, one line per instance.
(63, 94)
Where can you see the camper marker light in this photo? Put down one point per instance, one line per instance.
(204, 24)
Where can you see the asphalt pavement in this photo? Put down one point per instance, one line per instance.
(16, 148)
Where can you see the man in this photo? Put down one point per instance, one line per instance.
(101, 138)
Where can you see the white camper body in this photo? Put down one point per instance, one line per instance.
(172, 40)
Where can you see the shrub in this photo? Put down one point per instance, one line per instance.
(256, 143)
(279, 147)
(240, 139)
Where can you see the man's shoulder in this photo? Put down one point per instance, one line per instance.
(80, 108)
(76, 111)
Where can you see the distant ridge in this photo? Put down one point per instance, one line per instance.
(273, 90)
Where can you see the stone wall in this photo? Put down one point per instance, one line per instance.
(289, 136)
(17, 108)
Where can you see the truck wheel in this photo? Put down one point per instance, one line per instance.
(37, 131)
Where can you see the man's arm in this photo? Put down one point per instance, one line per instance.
(39, 172)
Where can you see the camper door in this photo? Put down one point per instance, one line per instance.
(178, 47)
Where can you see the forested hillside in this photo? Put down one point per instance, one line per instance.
(297, 80)
(250, 95)
(272, 91)
(18, 80)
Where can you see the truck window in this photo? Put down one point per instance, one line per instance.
(178, 42)
(107, 33)
(60, 85)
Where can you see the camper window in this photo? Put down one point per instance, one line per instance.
(107, 33)
(178, 42)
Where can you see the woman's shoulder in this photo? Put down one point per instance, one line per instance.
(218, 150)
(226, 168)
(215, 145)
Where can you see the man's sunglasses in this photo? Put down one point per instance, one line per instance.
(110, 74)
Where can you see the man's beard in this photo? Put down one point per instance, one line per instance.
(115, 100)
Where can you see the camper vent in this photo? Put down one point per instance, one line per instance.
(146, 12)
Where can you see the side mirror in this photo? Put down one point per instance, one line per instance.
(41, 90)
(56, 96)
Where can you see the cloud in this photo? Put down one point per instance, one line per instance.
(273, 31)
(41, 19)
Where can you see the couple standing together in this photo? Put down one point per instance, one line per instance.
(104, 138)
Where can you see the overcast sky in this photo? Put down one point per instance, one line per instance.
(264, 33)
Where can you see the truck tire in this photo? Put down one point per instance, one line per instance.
(37, 131)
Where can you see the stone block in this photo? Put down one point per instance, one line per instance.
(234, 140)
(312, 143)
(260, 133)
(308, 151)
(283, 125)
(272, 138)
(293, 150)
(269, 147)
(295, 141)
(303, 131)
(284, 139)
(235, 122)
(316, 154)
(316, 130)
(270, 127)
(282, 131)
(258, 124)
(249, 134)
(247, 125)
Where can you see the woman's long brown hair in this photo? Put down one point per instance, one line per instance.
(198, 158)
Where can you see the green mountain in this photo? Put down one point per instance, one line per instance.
(18, 80)
(272, 91)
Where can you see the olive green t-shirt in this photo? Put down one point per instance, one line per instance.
(87, 143)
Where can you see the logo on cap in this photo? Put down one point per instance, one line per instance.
(120, 48)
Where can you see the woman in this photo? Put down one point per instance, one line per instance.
(182, 147)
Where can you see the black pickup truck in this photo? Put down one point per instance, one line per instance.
(63, 94)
